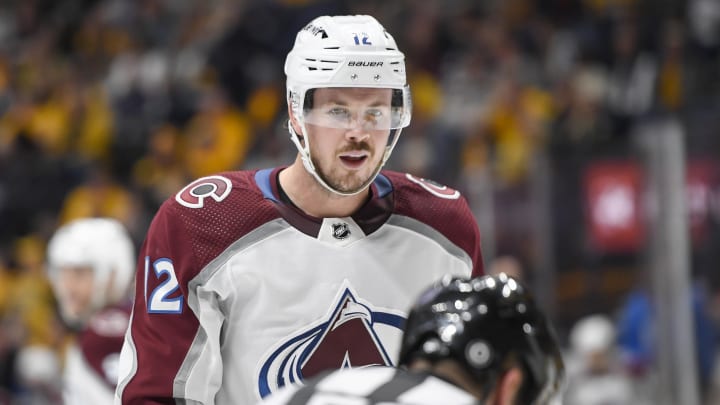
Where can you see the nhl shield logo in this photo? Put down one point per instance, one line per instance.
(349, 337)
(340, 230)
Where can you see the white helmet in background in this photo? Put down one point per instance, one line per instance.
(592, 334)
(345, 51)
(103, 245)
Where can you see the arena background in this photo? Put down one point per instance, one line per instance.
(583, 133)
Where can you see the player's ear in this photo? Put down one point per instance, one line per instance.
(293, 121)
(509, 387)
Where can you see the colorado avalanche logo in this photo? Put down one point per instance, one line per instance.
(347, 338)
(434, 188)
(194, 194)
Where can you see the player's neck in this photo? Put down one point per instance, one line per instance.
(312, 198)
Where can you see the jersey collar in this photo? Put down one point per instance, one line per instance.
(369, 217)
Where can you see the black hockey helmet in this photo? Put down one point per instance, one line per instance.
(487, 324)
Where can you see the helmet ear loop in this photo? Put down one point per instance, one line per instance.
(296, 138)
(395, 135)
(301, 141)
(303, 144)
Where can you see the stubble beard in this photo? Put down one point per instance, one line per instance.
(344, 180)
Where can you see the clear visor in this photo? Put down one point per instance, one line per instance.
(352, 107)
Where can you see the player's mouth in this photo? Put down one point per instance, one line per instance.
(354, 160)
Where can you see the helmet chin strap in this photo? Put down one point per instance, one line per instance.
(310, 167)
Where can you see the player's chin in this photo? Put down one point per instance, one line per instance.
(351, 183)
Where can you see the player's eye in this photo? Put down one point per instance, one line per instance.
(339, 113)
(376, 117)
(374, 113)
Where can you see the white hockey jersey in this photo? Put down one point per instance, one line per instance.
(372, 385)
(239, 293)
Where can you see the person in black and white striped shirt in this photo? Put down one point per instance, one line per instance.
(467, 341)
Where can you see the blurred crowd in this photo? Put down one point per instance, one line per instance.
(108, 107)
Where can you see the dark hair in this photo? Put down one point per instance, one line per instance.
(309, 99)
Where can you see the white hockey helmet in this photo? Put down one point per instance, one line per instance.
(104, 245)
(344, 52)
(592, 334)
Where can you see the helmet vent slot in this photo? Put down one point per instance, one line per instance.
(324, 65)
(396, 66)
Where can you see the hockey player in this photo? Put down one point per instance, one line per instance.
(251, 280)
(91, 264)
(479, 341)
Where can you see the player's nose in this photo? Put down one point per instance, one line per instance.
(357, 133)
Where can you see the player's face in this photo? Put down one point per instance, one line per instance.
(348, 138)
(75, 290)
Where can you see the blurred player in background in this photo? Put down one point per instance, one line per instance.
(91, 265)
(252, 280)
(478, 341)
(594, 367)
